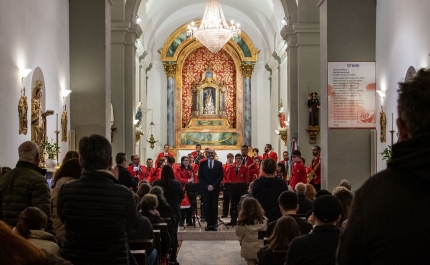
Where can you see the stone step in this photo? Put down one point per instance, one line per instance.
(199, 233)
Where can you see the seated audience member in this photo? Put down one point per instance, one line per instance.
(322, 193)
(68, 172)
(144, 231)
(337, 189)
(17, 250)
(267, 189)
(70, 155)
(345, 183)
(304, 203)
(285, 230)
(143, 189)
(243, 197)
(30, 226)
(148, 205)
(167, 212)
(97, 213)
(346, 198)
(288, 204)
(310, 192)
(124, 177)
(318, 247)
(251, 220)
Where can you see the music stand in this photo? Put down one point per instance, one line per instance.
(194, 189)
(235, 189)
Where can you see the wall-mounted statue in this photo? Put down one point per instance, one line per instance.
(64, 125)
(281, 115)
(313, 105)
(22, 113)
(383, 123)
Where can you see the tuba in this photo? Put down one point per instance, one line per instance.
(312, 175)
(198, 158)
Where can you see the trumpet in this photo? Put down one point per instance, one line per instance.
(312, 175)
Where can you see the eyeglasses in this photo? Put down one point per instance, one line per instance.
(293, 156)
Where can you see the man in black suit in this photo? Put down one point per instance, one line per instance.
(210, 177)
(124, 177)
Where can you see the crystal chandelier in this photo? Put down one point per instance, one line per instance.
(214, 32)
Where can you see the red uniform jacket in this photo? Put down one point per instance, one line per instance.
(250, 162)
(156, 174)
(298, 174)
(160, 155)
(241, 176)
(259, 156)
(226, 169)
(194, 154)
(315, 161)
(271, 155)
(141, 173)
(183, 175)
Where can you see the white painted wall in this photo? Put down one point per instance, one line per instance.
(402, 40)
(33, 34)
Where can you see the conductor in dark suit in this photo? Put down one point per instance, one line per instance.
(210, 177)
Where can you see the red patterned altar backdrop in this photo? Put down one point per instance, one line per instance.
(224, 70)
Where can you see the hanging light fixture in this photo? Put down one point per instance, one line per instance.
(151, 130)
(214, 32)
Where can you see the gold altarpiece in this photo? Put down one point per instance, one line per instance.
(209, 97)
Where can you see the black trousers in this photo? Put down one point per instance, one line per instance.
(316, 186)
(234, 198)
(210, 200)
(225, 203)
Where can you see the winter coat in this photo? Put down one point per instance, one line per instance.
(44, 240)
(248, 235)
(97, 214)
(24, 186)
(266, 191)
(58, 225)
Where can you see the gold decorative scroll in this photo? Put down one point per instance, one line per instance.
(22, 113)
(247, 70)
(170, 70)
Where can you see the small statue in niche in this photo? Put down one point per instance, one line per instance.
(209, 102)
(281, 115)
(383, 123)
(22, 113)
(313, 105)
(64, 125)
(139, 115)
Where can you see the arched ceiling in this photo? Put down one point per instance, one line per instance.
(260, 19)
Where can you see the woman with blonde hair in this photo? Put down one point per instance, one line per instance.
(251, 220)
(285, 230)
(310, 192)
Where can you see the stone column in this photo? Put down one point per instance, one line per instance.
(90, 62)
(247, 121)
(171, 73)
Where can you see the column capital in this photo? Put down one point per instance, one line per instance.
(170, 70)
(247, 70)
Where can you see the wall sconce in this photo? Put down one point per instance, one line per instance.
(285, 20)
(66, 92)
(137, 19)
(24, 72)
(284, 135)
(381, 93)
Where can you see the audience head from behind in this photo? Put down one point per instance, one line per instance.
(167, 175)
(121, 159)
(32, 218)
(70, 168)
(70, 155)
(345, 183)
(327, 210)
(251, 212)
(286, 230)
(250, 187)
(300, 188)
(148, 203)
(310, 192)
(161, 162)
(17, 250)
(143, 189)
(337, 189)
(95, 153)
(159, 192)
(322, 193)
(288, 202)
(346, 198)
(29, 152)
(269, 166)
(170, 161)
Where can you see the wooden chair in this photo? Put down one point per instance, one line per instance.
(279, 256)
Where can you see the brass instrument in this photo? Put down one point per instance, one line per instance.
(198, 158)
(311, 176)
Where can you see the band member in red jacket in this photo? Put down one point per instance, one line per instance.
(186, 175)
(156, 174)
(256, 171)
(141, 171)
(268, 153)
(226, 197)
(197, 152)
(238, 173)
(298, 171)
(246, 160)
(316, 152)
(163, 154)
(255, 152)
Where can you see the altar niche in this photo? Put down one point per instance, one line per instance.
(208, 97)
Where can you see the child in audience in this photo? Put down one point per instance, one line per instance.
(251, 219)
(285, 230)
(30, 226)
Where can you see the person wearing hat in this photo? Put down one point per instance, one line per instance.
(313, 105)
(318, 247)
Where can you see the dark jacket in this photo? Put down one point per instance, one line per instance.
(388, 222)
(174, 195)
(265, 257)
(97, 214)
(144, 229)
(125, 178)
(212, 176)
(266, 191)
(304, 204)
(304, 226)
(318, 247)
(166, 241)
(166, 212)
(22, 187)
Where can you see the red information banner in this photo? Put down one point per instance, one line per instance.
(351, 95)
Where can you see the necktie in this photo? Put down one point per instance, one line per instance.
(210, 164)
(237, 170)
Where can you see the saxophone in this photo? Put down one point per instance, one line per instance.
(311, 176)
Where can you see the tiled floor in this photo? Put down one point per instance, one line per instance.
(218, 252)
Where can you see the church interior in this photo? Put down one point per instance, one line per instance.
(144, 74)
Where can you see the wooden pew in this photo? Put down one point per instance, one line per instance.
(140, 256)
(161, 229)
(279, 256)
(140, 248)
